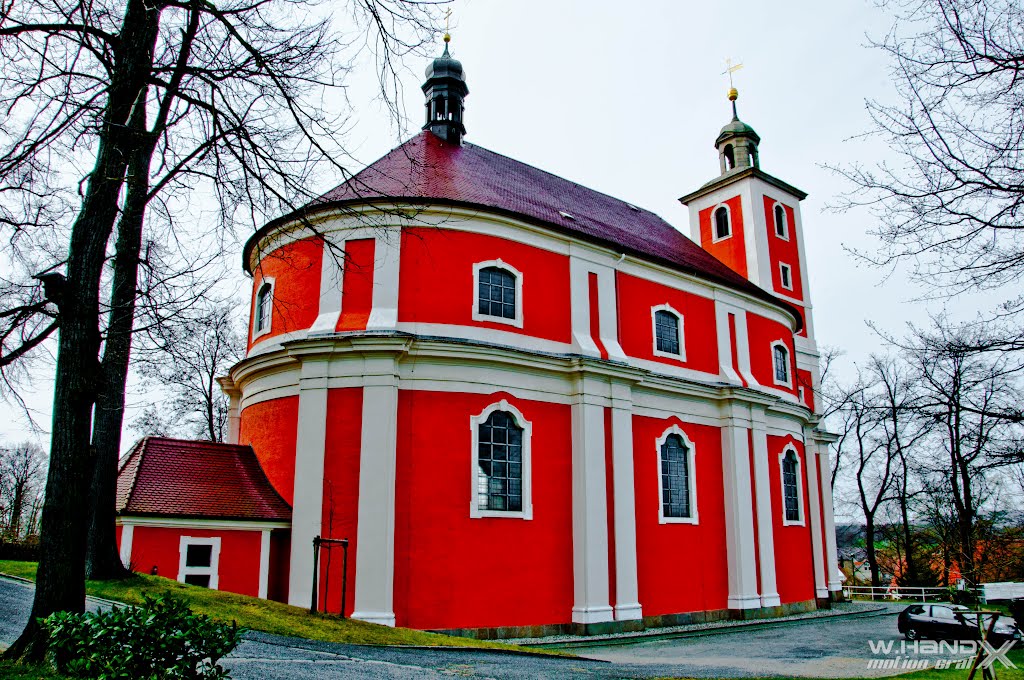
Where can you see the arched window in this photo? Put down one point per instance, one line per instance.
(781, 225)
(497, 293)
(501, 463)
(264, 307)
(780, 362)
(676, 478)
(730, 157)
(791, 485)
(499, 290)
(668, 332)
(722, 227)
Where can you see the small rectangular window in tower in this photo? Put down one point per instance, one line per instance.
(786, 276)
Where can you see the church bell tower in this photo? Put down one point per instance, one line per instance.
(445, 90)
(751, 221)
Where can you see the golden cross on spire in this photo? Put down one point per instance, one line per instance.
(730, 69)
(447, 18)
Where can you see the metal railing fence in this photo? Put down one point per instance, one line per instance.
(919, 594)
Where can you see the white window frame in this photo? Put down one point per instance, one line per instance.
(692, 481)
(785, 222)
(789, 364)
(474, 425)
(783, 267)
(680, 331)
(714, 231)
(477, 316)
(212, 571)
(256, 330)
(799, 487)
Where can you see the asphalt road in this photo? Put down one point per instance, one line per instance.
(816, 648)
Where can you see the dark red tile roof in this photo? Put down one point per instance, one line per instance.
(180, 478)
(426, 170)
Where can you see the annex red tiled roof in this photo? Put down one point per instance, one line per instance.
(426, 170)
(180, 478)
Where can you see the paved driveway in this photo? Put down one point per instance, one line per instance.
(816, 648)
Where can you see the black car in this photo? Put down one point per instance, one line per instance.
(952, 622)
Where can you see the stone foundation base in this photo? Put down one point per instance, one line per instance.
(648, 622)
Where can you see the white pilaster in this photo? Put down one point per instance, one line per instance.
(330, 286)
(608, 327)
(264, 563)
(627, 605)
(386, 259)
(127, 534)
(234, 395)
(307, 501)
(375, 540)
(725, 339)
(814, 512)
(579, 297)
(739, 516)
(765, 526)
(589, 507)
(835, 577)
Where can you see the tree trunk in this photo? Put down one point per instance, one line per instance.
(103, 561)
(60, 579)
(910, 576)
(869, 544)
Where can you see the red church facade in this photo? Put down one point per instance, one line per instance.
(530, 406)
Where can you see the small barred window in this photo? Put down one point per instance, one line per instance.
(675, 477)
(666, 329)
(497, 293)
(500, 464)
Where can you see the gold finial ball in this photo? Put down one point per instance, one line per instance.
(447, 38)
(733, 94)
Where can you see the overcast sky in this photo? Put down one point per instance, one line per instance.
(627, 98)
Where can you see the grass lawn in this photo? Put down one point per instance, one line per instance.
(265, 615)
(9, 670)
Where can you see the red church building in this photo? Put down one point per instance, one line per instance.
(527, 405)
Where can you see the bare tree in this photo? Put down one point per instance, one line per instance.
(902, 430)
(950, 204)
(961, 389)
(190, 354)
(22, 473)
(862, 446)
(163, 97)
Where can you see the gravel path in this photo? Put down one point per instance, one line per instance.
(819, 647)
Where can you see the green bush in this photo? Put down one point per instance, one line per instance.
(160, 640)
(964, 597)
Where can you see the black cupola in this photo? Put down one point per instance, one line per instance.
(445, 89)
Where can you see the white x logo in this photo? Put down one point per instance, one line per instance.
(991, 654)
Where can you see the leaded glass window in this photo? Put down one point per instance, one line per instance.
(500, 464)
(722, 223)
(790, 487)
(780, 357)
(497, 293)
(675, 477)
(666, 330)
